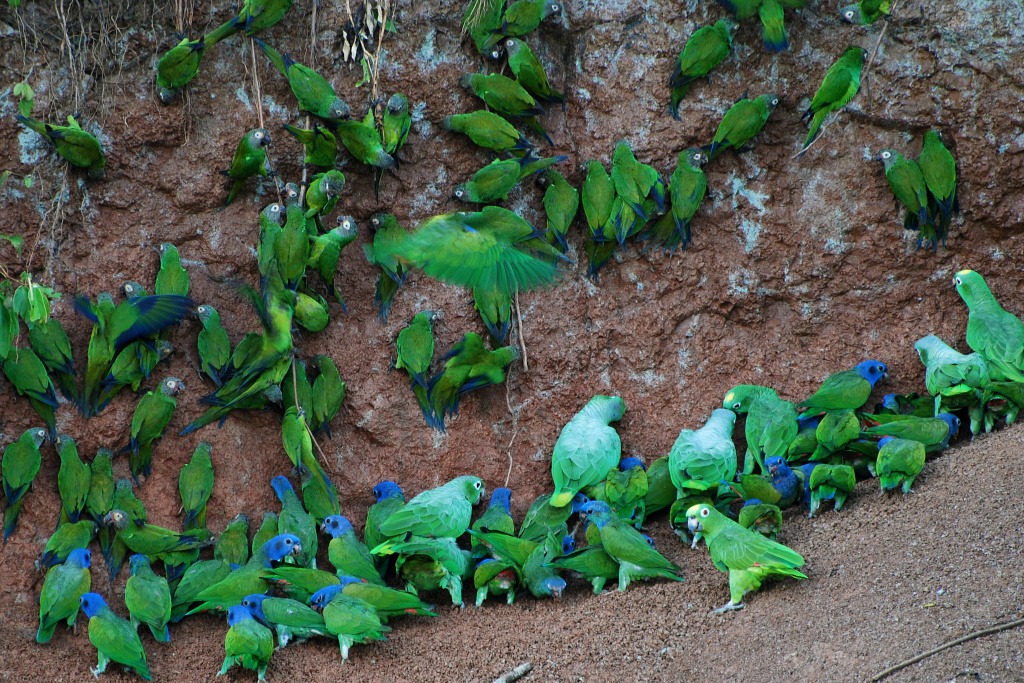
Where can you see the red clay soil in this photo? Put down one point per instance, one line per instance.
(798, 269)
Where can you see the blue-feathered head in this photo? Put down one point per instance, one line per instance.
(501, 497)
(650, 541)
(137, 562)
(281, 487)
(578, 501)
(872, 370)
(952, 420)
(627, 464)
(777, 466)
(553, 586)
(336, 525)
(387, 489)
(752, 501)
(254, 603)
(598, 512)
(323, 597)
(80, 558)
(238, 614)
(281, 546)
(568, 545)
(92, 604)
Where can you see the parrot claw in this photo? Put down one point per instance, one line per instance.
(728, 607)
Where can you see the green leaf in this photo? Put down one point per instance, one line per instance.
(17, 241)
(14, 3)
(8, 330)
(28, 181)
(20, 304)
(3, 177)
(390, 26)
(25, 107)
(366, 73)
(24, 91)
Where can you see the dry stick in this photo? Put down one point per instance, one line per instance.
(522, 340)
(295, 395)
(515, 674)
(515, 430)
(874, 52)
(940, 648)
(258, 92)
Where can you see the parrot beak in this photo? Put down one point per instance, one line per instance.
(556, 593)
(693, 524)
(181, 388)
(323, 527)
(297, 549)
(107, 519)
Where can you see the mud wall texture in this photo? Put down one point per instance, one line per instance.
(798, 268)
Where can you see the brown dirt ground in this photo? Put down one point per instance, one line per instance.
(798, 269)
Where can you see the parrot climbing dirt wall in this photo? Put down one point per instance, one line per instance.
(798, 268)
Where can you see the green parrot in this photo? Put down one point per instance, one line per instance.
(233, 543)
(364, 143)
(326, 249)
(27, 373)
(322, 193)
(991, 331)
(53, 348)
(257, 15)
(18, 470)
(180, 64)
(148, 598)
(311, 311)
(397, 123)
(529, 72)
(389, 499)
(314, 92)
(250, 159)
(293, 519)
(846, 390)
(706, 48)
(700, 459)
(939, 170)
(477, 250)
(836, 429)
(491, 183)
(291, 245)
(232, 548)
(195, 484)
(488, 130)
(319, 496)
(124, 499)
(320, 143)
(213, 344)
(414, 350)
(78, 147)
(152, 414)
(271, 222)
(496, 518)
(68, 537)
(441, 512)
(561, 202)
(348, 555)
(743, 121)
(764, 518)
(772, 20)
(154, 541)
(246, 580)
(633, 181)
(350, 619)
(430, 564)
(513, 550)
(830, 482)
(387, 234)
(627, 546)
(506, 97)
(840, 85)
(114, 638)
(908, 185)
(328, 394)
(470, 367)
(114, 327)
(290, 618)
(302, 584)
(933, 432)
(587, 448)
(625, 489)
(771, 422)
(172, 278)
(268, 529)
(495, 308)
(592, 563)
(748, 557)
(541, 580)
(947, 369)
(686, 190)
(524, 17)
(661, 492)
(866, 11)
(101, 497)
(899, 462)
(73, 478)
(63, 586)
(493, 577)
(598, 199)
(247, 643)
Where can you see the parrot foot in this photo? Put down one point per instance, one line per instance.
(462, 605)
(728, 607)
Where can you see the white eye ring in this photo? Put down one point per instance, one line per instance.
(886, 155)
(959, 281)
(476, 484)
(705, 512)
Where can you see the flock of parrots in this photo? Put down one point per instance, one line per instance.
(805, 453)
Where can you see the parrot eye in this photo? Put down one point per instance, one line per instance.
(886, 155)
(737, 405)
(41, 432)
(958, 281)
(849, 14)
(705, 512)
(476, 485)
(775, 100)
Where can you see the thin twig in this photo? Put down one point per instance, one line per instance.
(819, 136)
(940, 648)
(522, 340)
(515, 674)
(258, 93)
(295, 396)
(515, 430)
(874, 52)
